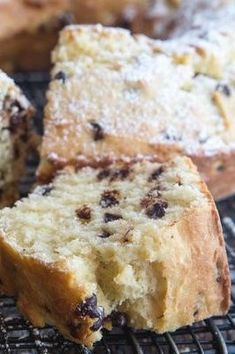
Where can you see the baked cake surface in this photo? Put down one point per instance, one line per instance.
(15, 138)
(114, 96)
(137, 243)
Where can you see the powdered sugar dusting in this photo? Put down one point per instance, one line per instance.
(142, 93)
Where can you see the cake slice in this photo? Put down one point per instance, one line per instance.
(15, 138)
(29, 31)
(138, 244)
(116, 96)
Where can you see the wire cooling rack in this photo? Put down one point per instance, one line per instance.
(216, 335)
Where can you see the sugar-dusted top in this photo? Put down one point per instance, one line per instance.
(113, 94)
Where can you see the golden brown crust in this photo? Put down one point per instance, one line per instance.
(26, 43)
(55, 304)
(209, 295)
(191, 272)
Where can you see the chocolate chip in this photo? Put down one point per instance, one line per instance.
(125, 23)
(97, 131)
(60, 76)
(46, 190)
(220, 168)
(95, 312)
(196, 313)
(172, 137)
(157, 210)
(109, 198)
(118, 319)
(203, 140)
(196, 75)
(16, 112)
(87, 306)
(96, 325)
(105, 234)
(108, 217)
(103, 174)
(121, 173)
(98, 313)
(155, 174)
(203, 35)
(223, 88)
(16, 105)
(84, 213)
(66, 19)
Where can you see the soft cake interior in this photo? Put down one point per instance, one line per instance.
(107, 224)
(100, 247)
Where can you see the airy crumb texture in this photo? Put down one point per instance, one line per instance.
(15, 138)
(137, 243)
(117, 96)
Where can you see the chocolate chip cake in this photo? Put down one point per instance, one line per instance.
(28, 32)
(135, 244)
(117, 96)
(15, 138)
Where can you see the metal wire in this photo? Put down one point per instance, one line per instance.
(213, 336)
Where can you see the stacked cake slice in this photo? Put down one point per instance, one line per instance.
(138, 244)
(115, 96)
(15, 138)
